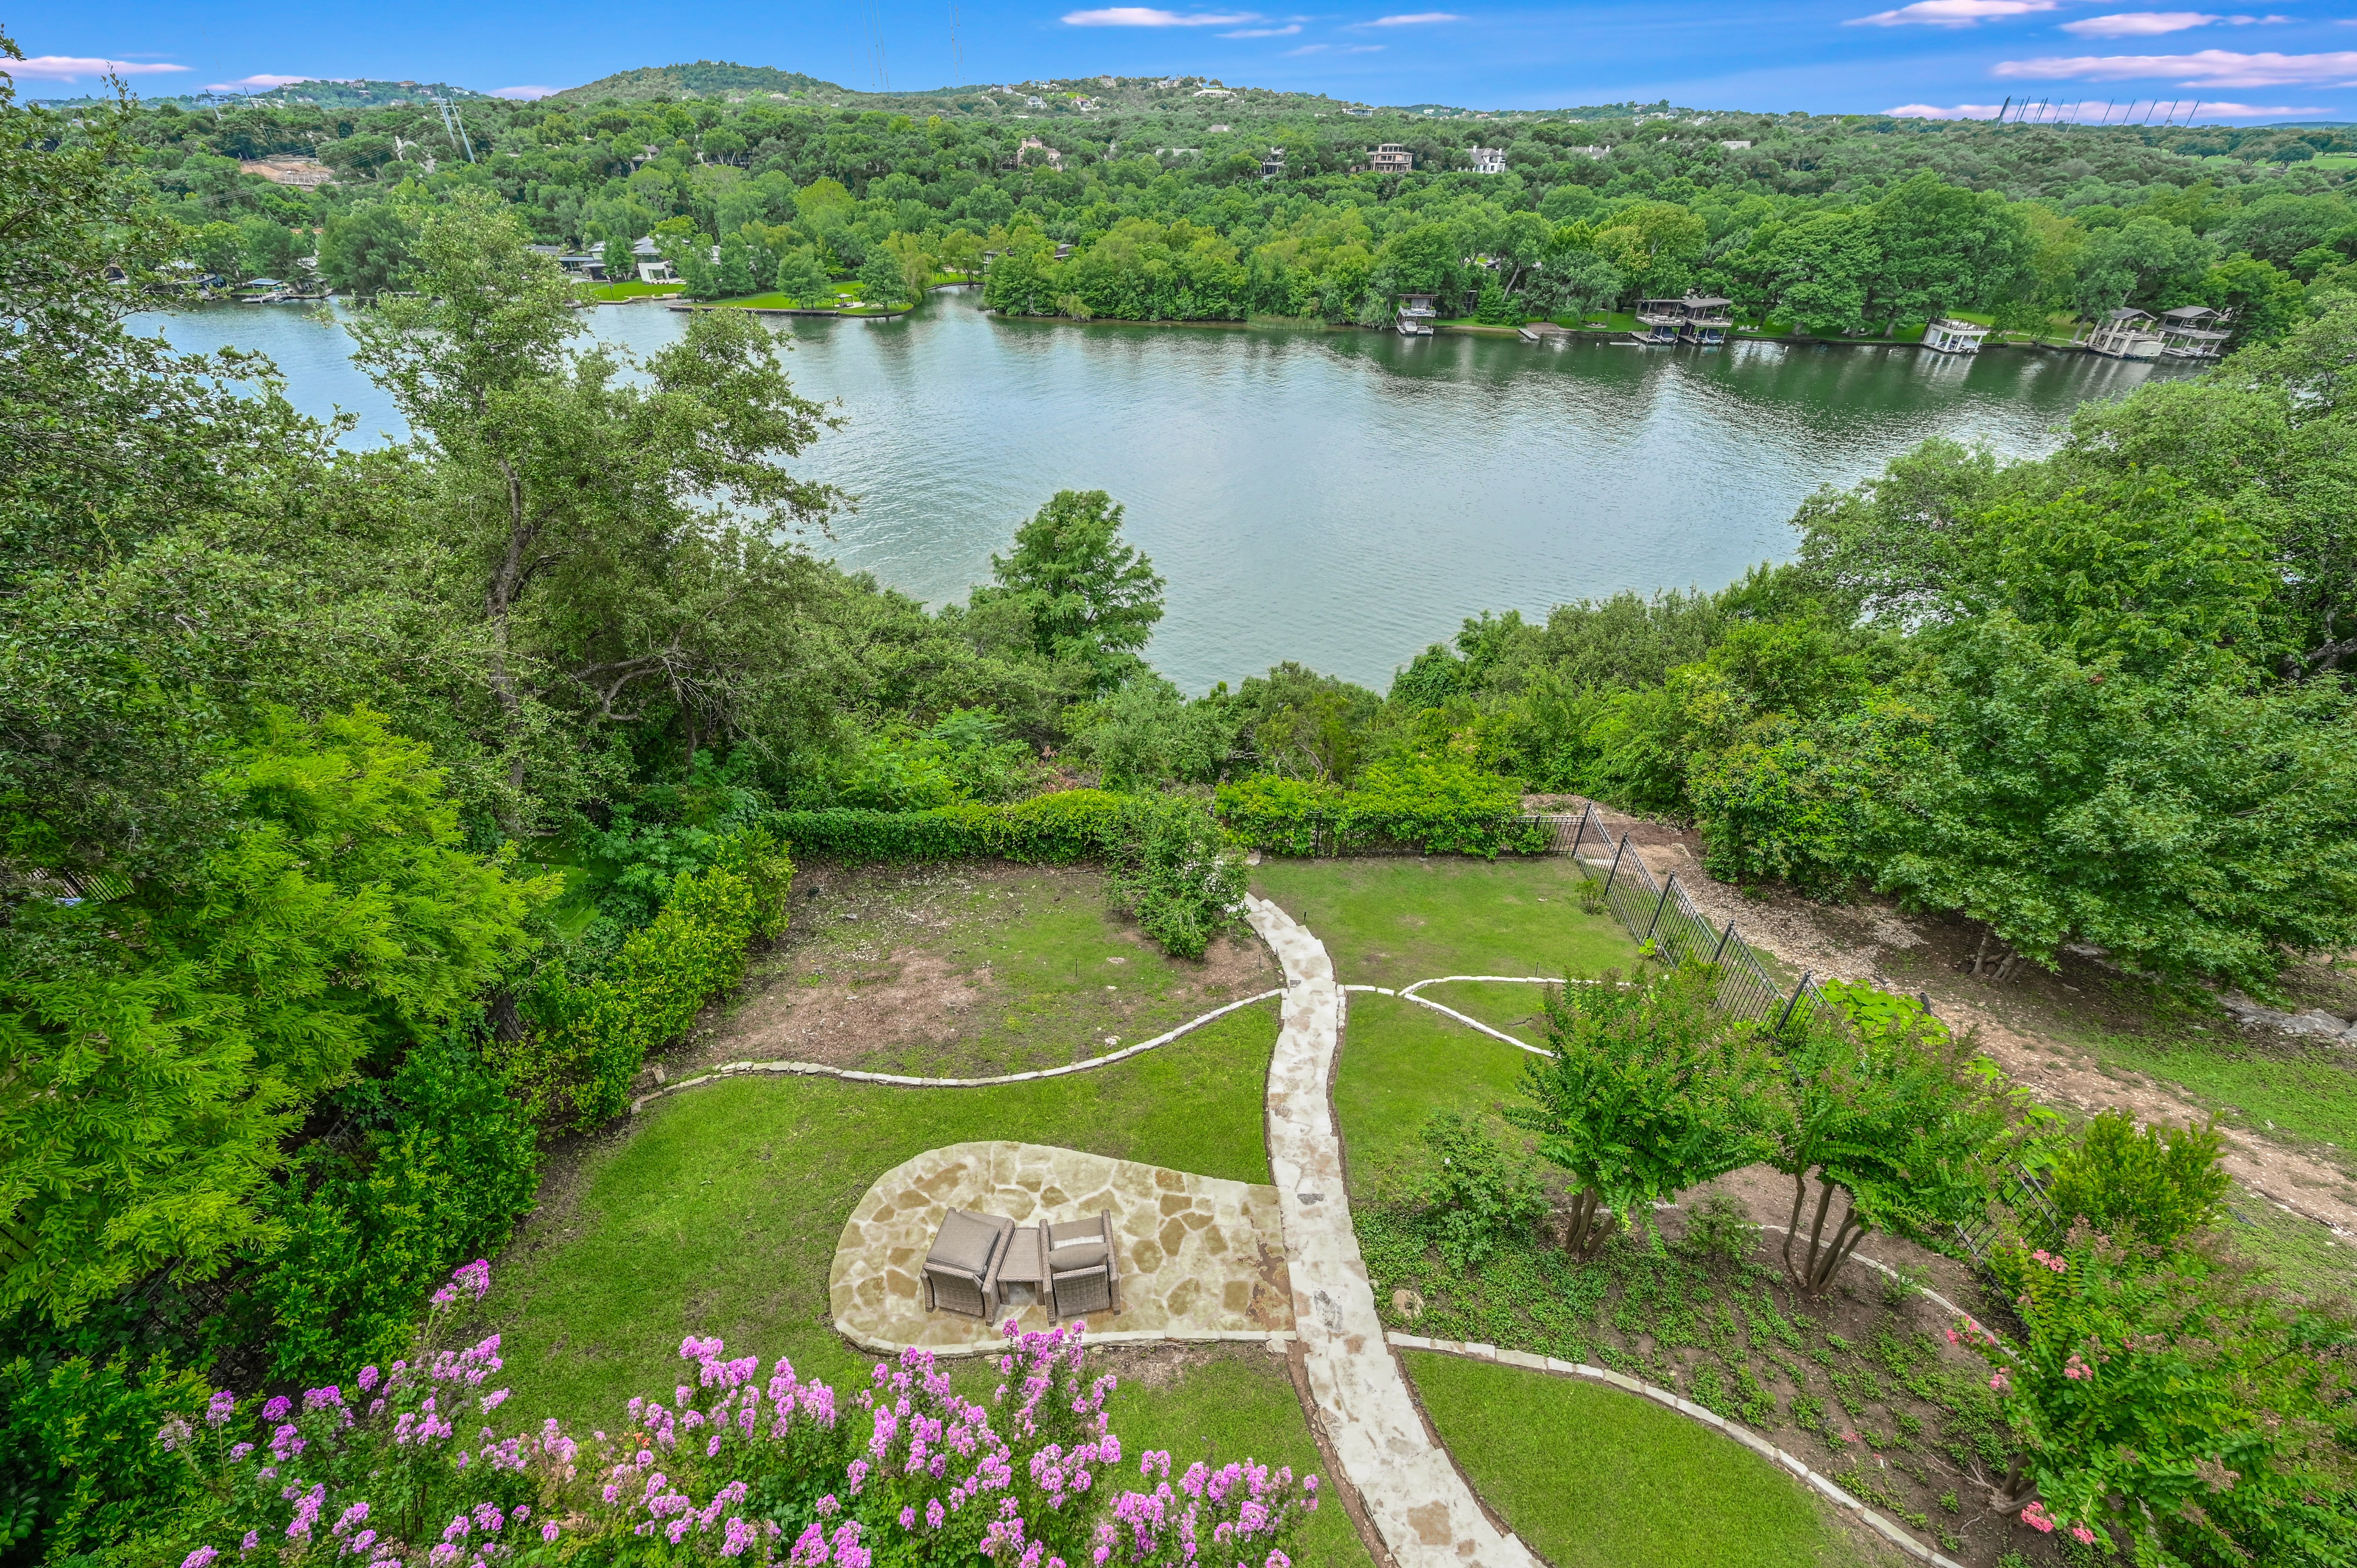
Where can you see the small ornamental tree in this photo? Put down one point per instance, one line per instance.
(2154, 1184)
(1646, 1090)
(2171, 1410)
(1895, 1115)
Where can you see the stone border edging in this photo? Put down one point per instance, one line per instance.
(899, 1080)
(1276, 1340)
(1552, 1367)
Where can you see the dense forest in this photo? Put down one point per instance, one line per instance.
(1171, 205)
(370, 815)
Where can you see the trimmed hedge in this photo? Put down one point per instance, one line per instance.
(577, 1071)
(1057, 829)
(1441, 808)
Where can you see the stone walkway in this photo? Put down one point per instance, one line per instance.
(1420, 1505)
(1200, 1259)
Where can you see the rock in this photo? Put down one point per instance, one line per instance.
(2316, 1023)
(1407, 1303)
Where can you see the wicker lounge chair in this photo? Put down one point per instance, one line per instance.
(962, 1271)
(1082, 1275)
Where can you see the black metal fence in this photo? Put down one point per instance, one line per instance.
(1665, 923)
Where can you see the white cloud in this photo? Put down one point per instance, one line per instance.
(2258, 111)
(2206, 68)
(1950, 13)
(260, 83)
(2150, 24)
(1285, 32)
(1308, 49)
(526, 94)
(1934, 112)
(1364, 50)
(1148, 16)
(1413, 19)
(73, 67)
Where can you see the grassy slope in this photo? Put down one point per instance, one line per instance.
(1395, 921)
(1401, 1063)
(1593, 1477)
(717, 1211)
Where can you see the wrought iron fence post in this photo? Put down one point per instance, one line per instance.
(1616, 864)
(1579, 831)
(1658, 904)
(1721, 948)
(1806, 975)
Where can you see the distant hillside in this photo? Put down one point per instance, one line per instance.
(703, 78)
(359, 93)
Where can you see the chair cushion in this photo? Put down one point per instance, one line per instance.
(1089, 1230)
(1073, 1255)
(966, 1242)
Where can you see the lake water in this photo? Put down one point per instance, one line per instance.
(1338, 497)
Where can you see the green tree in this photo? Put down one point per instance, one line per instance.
(880, 279)
(907, 252)
(801, 279)
(2154, 1184)
(1893, 1112)
(1646, 1090)
(159, 1047)
(621, 262)
(1092, 597)
(613, 533)
(1944, 247)
(365, 250)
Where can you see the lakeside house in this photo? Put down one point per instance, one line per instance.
(651, 266)
(1489, 160)
(1417, 314)
(1701, 319)
(2125, 333)
(1391, 158)
(2194, 332)
(1949, 335)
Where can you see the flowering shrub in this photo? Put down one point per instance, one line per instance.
(2166, 1409)
(405, 1469)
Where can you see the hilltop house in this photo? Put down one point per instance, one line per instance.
(1272, 163)
(1489, 160)
(1391, 158)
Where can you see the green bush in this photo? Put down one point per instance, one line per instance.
(79, 1450)
(2153, 1184)
(576, 1070)
(1440, 806)
(1175, 874)
(1281, 816)
(372, 1235)
(1476, 1196)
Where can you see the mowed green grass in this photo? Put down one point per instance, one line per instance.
(1594, 1477)
(717, 1210)
(1395, 921)
(1400, 1064)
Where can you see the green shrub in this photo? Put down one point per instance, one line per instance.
(372, 1235)
(1476, 1196)
(575, 1069)
(2155, 1183)
(1053, 829)
(1175, 874)
(1440, 806)
(1445, 807)
(78, 1448)
(1281, 816)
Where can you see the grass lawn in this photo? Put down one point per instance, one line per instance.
(1400, 1064)
(2310, 1093)
(1393, 921)
(1593, 1477)
(716, 1211)
(613, 293)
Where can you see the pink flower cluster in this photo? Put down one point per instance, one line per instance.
(473, 1279)
(1235, 1511)
(2042, 1256)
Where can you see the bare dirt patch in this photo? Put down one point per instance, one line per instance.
(966, 969)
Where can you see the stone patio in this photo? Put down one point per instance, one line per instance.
(1199, 1258)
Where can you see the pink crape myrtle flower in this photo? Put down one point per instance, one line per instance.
(2036, 1516)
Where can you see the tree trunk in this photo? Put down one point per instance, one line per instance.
(1588, 1228)
(1822, 1263)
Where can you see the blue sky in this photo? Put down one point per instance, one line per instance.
(2292, 61)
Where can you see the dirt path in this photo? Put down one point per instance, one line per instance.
(1875, 941)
